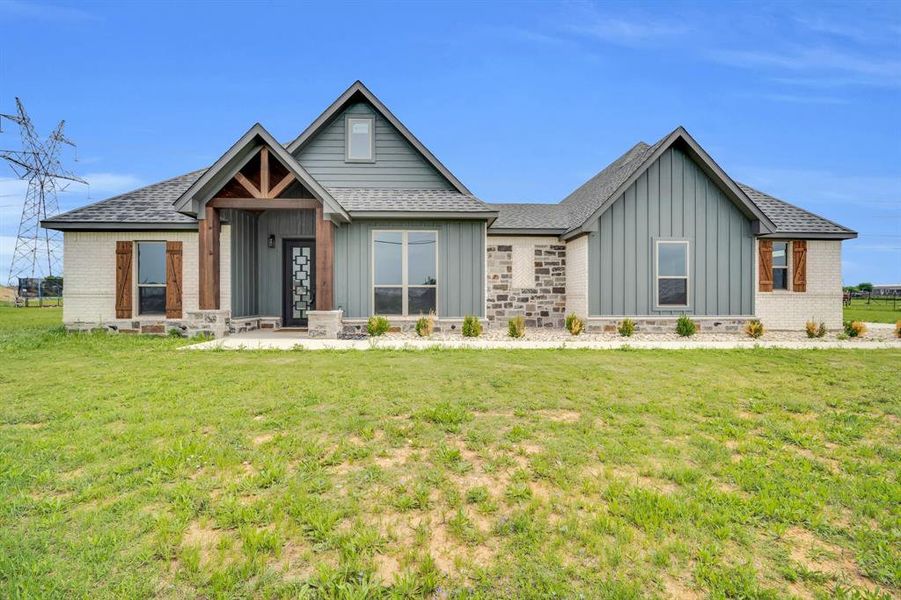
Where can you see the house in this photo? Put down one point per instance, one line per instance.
(357, 217)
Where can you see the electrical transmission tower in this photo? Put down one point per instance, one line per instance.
(38, 251)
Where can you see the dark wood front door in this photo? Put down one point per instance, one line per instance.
(299, 259)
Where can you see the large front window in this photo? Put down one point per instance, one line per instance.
(405, 272)
(672, 273)
(151, 278)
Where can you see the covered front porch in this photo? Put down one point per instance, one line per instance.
(278, 260)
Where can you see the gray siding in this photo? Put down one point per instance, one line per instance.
(256, 268)
(461, 266)
(244, 262)
(397, 164)
(293, 224)
(673, 199)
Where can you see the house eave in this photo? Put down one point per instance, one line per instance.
(525, 231)
(801, 235)
(402, 214)
(116, 226)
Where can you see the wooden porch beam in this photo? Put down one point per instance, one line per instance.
(265, 203)
(281, 185)
(264, 173)
(325, 262)
(208, 240)
(248, 185)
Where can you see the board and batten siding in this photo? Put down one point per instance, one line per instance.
(257, 268)
(397, 164)
(461, 265)
(672, 199)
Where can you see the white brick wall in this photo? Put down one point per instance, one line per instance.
(821, 302)
(577, 276)
(89, 292)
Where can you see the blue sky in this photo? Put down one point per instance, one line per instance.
(523, 101)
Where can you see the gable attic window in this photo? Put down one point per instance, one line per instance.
(360, 139)
(151, 278)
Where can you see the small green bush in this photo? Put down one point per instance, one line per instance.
(425, 325)
(472, 327)
(855, 328)
(754, 328)
(685, 326)
(626, 328)
(574, 324)
(377, 325)
(516, 327)
(815, 331)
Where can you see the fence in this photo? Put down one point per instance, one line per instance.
(41, 289)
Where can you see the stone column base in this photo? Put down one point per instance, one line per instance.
(210, 322)
(324, 324)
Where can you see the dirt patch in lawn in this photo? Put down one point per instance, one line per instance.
(261, 439)
(207, 541)
(560, 415)
(815, 554)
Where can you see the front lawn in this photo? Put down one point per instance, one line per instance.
(131, 469)
(877, 310)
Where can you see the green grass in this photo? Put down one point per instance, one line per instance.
(131, 469)
(877, 311)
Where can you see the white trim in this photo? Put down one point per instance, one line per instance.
(348, 123)
(405, 284)
(658, 276)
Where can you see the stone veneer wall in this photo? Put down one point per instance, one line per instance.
(543, 303)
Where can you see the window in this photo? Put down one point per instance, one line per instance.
(151, 278)
(672, 273)
(404, 272)
(360, 139)
(780, 265)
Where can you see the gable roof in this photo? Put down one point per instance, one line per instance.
(534, 219)
(597, 195)
(358, 90)
(192, 200)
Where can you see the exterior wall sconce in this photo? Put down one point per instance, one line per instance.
(271, 242)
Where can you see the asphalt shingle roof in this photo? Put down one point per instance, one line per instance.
(150, 204)
(531, 216)
(406, 200)
(789, 218)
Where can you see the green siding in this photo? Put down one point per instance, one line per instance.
(461, 265)
(397, 164)
(672, 199)
(244, 262)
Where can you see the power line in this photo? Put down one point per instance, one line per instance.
(38, 251)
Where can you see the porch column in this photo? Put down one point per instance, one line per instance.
(325, 262)
(208, 238)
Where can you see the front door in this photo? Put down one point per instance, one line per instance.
(299, 282)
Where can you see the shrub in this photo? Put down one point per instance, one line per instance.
(898, 328)
(685, 326)
(574, 324)
(472, 327)
(815, 331)
(516, 327)
(855, 328)
(754, 328)
(425, 325)
(627, 328)
(377, 325)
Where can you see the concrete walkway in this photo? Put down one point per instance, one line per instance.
(291, 340)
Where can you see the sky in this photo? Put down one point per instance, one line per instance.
(522, 101)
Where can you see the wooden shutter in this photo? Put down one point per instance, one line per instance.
(765, 268)
(799, 266)
(123, 279)
(173, 280)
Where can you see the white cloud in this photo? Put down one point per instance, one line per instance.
(111, 183)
